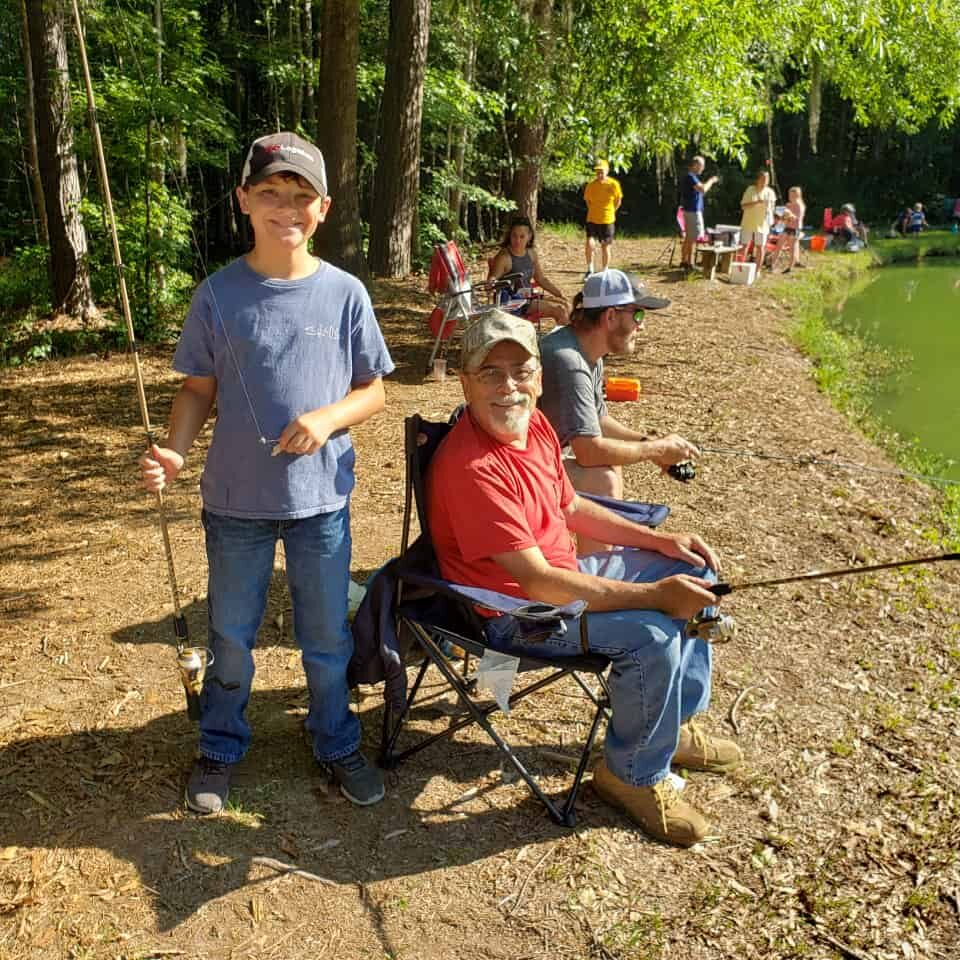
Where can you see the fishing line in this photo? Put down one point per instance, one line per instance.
(809, 459)
(167, 154)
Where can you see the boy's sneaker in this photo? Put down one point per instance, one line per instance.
(359, 780)
(699, 751)
(587, 275)
(208, 786)
(658, 810)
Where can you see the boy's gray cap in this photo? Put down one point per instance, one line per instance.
(613, 288)
(491, 328)
(285, 153)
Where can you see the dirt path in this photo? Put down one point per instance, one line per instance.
(839, 837)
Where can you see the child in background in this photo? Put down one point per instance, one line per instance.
(918, 220)
(289, 349)
(794, 212)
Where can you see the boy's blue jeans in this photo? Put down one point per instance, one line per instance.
(659, 678)
(240, 557)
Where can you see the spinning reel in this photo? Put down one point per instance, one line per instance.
(685, 471)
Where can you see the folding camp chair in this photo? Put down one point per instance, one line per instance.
(431, 611)
(458, 300)
(679, 234)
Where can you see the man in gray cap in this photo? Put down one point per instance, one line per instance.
(501, 513)
(607, 320)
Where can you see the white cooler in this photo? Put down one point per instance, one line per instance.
(727, 234)
(743, 272)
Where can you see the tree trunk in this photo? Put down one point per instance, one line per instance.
(531, 137)
(461, 134)
(69, 269)
(531, 125)
(33, 166)
(339, 239)
(309, 54)
(814, 101)
(396, 183)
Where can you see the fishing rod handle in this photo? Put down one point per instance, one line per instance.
(721, 589)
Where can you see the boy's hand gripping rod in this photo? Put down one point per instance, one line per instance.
(723, 589)
(192, 662)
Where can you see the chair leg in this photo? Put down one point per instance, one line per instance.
(389, 737)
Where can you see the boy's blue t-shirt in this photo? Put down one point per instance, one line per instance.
(690, 199)
(299, 345)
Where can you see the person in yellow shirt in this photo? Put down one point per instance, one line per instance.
(603, 196)
(757, 205)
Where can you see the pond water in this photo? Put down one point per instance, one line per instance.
(916, 310)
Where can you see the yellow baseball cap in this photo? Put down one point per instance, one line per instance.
(602, 165)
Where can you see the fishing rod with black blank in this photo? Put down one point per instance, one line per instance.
(192, 661)
(631, 388)
(687, 470)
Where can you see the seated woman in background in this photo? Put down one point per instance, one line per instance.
(516, 255)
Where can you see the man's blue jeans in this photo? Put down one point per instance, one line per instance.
(240, 557)
(659, 678)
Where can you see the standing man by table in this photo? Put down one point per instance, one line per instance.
(692, 191)
(603, 197)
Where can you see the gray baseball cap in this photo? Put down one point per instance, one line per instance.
(285, 153)
(613, 288)
(493, 327)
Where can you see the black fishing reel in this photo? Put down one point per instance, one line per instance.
(684, 471)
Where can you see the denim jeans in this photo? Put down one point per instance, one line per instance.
(659, 677)
(240, 555)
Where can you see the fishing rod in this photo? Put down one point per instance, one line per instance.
(722, 628)
(192, 661)
(724, 589)
(811, 459)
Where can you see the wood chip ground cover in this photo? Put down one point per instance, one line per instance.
(838, 838)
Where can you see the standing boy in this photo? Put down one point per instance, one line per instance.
(603, 196)
(289, 348)
(692, 191)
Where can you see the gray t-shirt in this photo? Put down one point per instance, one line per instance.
(572, 387)
(299, 345)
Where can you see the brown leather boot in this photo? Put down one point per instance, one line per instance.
(699, 751)
(658, 810)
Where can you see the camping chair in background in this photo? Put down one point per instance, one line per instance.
(458, 300)
(679, 234)
(432, 613)
(827, 219)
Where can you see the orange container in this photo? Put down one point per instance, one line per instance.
(622, 388)
(818, 243)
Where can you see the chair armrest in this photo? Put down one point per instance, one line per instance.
(647, 514)
(502, 603)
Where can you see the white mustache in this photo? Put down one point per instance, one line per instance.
(513, 399)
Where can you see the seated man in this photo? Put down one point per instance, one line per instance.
(609, 320)
(501, 513)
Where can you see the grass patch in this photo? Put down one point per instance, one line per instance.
(850, 370)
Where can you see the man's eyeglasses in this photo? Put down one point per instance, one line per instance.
(498, 376)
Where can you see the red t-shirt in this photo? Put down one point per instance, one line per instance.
(485, 497)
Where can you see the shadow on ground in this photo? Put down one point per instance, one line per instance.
(119, 791)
